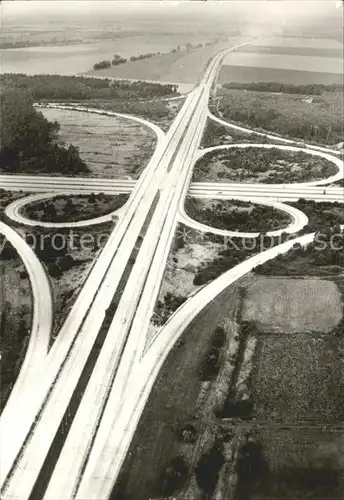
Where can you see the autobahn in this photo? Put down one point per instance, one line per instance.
(213, 190)
(102, 427)
(33, 431)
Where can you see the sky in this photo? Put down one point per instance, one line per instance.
(168, 11)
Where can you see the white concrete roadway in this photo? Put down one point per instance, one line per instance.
(33, 452)
(76, 338)
(338, 162)
(64, 365)
(151, 258)
(298, 220)
(145, 373)
(98, 457)
(273, 137)
(42, 314)
(222, 191)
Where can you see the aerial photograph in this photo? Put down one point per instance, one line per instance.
(171, 250)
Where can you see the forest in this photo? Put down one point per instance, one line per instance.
(29, 140)
(319, 119)
(58, 87)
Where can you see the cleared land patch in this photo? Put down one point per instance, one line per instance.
(254, 164)
(293, 305)
(64, 208)
(111, 147)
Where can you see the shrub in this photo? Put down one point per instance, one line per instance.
(208, 468)
(174, 476)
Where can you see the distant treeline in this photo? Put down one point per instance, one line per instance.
(57, 87)
(286, 88)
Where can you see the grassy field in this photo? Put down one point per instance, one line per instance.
(74, 208)
(258, 165)
(293, 305)
(111, 147)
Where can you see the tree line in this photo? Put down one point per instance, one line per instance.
(320, 121)
(58, 87)
(29, 140)
(285, 88)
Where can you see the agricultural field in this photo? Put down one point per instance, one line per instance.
(236, 215)
(314, 118)
(294, 306)
(305, 462)
(299, 378)
(285, 60)
(111, 147)
(186, 66)
(64, 208)
(82, 50)
(268, 166)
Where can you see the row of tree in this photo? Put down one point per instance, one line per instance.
(286, 88)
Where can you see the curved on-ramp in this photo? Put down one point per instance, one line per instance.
(321, 182)
(273, 137)
(160, 134)
(42, 316)
(13, 211)
(299, 220)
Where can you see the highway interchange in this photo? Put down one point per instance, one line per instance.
(123, 373)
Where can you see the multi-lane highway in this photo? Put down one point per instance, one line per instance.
(109, 385)
(151, 208)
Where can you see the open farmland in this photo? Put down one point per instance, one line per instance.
(299, 378)
(180, 67)
(285, 60)
(254, 164)
(295, 305)
(111, 147)
(304, 462)
(68, 58)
